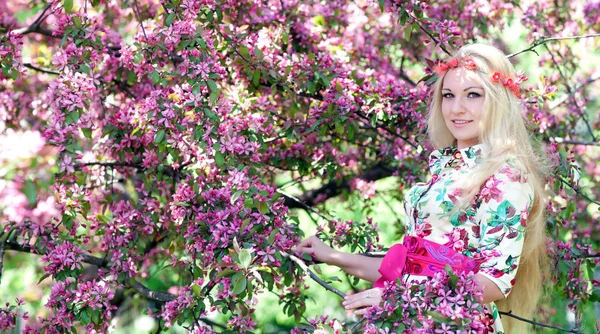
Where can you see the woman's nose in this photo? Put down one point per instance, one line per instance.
(458, 106)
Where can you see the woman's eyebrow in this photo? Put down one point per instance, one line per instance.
(466, 89)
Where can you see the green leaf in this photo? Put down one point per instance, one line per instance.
(407, 32)
(258, 53)
(212, 85)
(30, 192)
(155, 77)
(68, 6)
(351, 131)
(170, 19)
(245, 258)
(235, 196)
(72, 117)
(219, 158)
(84, 317)
(96, 317)
(14, 74)
(256, 77)
(160, 135)
(43, 278)
(214, 96)
(263, 207)
(226, 273)
(138, 57)
(339, 128)
(244, 52)
(85, 69)
(87, 132)
(239, 283)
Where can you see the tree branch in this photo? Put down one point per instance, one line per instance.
(559, 140)
(544, 40)
(535, 323)
(312, 275)
(35, 27)
(334, 188)
(28, 65)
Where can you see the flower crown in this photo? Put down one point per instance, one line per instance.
(496, 77)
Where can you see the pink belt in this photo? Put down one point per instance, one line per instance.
(421, 257)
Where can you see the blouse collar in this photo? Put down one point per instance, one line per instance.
(469, 155)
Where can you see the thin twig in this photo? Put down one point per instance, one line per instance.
(429, 34)
(109, 164)
(35, 27)
(302, 204)
(139, 14)
(568, 87)
(2, 247)
(509, 314)
(316, 278)
(553, 39)
(577, 190)
(565, 97)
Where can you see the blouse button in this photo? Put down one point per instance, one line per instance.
(457, 155)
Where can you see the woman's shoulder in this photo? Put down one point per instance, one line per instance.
(513, 169)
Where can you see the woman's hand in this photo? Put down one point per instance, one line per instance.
(363, 299)
(317, 248)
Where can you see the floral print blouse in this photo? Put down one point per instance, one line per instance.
(491, 228)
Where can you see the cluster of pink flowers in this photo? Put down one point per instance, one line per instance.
(411, 306)
(9, 315)
(361, 236)
(63, 257)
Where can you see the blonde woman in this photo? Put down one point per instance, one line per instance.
(484, 201)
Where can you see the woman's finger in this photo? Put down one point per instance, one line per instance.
(366, 298)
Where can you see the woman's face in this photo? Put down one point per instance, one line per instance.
(462, 104)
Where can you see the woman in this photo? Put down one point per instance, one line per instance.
(485, 200)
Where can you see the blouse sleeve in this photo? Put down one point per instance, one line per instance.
(506, 200)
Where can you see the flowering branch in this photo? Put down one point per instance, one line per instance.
(96, 261)
(545, 40)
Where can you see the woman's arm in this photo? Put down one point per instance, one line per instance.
(491, 291)
(360, 266)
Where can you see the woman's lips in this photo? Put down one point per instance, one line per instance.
(460, 124)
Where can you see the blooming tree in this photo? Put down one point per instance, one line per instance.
(142, 133)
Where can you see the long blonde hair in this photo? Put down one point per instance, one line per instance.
(504, 135)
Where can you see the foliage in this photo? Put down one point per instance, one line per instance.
(143, 142)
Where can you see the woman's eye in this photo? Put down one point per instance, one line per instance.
(447, 95)
(473, 95)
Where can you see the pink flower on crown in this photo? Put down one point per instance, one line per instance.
(496, 76)
(453, 63)
(469, 64)
(508, 82)
(443, 67)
